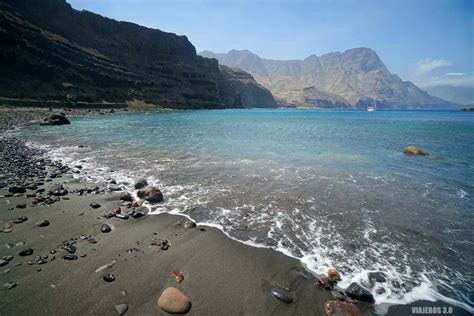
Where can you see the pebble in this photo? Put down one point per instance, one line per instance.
(125, 196)
(121, 216)
(105, 228)
(94, 205)
(69, 257)
(20, 220)
(174, 301)
(70, 248)
(189, 224)
(333, 274)
(377, 277)
(109, 277)
(9, 285)
(26, 252)
(22, 205)
(179, 277)
(121, 308)
(140, 183)
(3, 262)
(7, 230)
(42, 223)
(282, 295)
(326, 282)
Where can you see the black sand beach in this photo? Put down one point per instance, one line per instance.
(60, 275)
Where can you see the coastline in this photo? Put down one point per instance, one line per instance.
(221, 275)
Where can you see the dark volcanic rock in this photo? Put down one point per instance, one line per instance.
(56, 119)
(104, 228)
(140, 183)
(109, 277)
(26, 252)
(45, 58)
(94, 205)
(58, 191)
(377, 277)
(125, 196)
(17, 189)
(282, 295)
(153, 195)
(43, 223)
(357, 292)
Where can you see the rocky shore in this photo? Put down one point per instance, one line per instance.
(71, 247)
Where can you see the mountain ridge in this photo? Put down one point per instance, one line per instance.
(50, 51)
(354, 78)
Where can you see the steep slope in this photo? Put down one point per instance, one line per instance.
(249, 92)
(458, 94)
(353, 78)
(50, 51)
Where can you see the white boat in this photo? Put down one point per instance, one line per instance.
(372, 108)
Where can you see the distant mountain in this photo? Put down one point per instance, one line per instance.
(49, 51)
(354, 78)
(457, 94)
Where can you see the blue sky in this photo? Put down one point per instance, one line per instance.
(425, 41)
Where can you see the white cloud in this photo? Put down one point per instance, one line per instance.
(458, 79)
(428, 64)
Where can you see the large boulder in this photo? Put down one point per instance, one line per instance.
(55, 119)
(153, 195)
(173, 301)
(413, 150)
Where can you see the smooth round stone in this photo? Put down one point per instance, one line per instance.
(125, 196)
(121, 308)
(333, 274)
(3, 262)
(358, 292)
(26, 252)
(140, 183)
(109, 277)
(174, 301)
(94, 205)
(22, 205)
(43, 223)
(282, 295)
(105, 228)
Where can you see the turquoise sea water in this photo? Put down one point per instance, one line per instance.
(331, 188)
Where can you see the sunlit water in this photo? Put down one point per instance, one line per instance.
(331, 188)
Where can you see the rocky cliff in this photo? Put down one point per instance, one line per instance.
(49, 51)
(241, 90)
(354, 78)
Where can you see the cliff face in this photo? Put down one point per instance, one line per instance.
(51, 51)
(353, 78)
(241, 90)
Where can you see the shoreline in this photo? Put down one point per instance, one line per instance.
(224, 287)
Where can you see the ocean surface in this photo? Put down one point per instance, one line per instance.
(331, 188)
